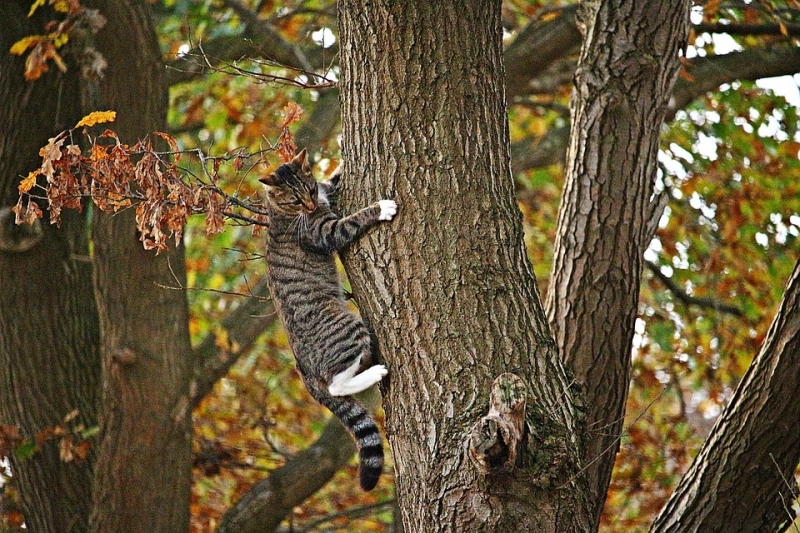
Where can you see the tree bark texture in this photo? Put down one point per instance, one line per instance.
(143, 473)
(743, 478)
(628, 66)
(447, 285)
(49, 329)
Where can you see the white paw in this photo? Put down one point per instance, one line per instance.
(376, 372)
(388, 211)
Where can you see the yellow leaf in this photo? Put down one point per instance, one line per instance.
(59, 39)
(62, 6)
(19, 47)
(27, 183)
(97, 117)
(35, 5)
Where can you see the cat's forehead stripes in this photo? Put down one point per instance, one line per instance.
(287, 174)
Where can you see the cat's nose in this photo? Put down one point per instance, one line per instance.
(310, 206)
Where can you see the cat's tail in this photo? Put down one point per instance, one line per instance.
(364, 430)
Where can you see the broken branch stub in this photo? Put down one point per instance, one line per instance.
(495, 440)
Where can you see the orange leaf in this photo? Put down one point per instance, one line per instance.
(97, 117)
(173, 144)
(15, 519)
(27, 183)
(291, 113)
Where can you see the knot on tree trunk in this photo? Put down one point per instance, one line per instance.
(495, 440)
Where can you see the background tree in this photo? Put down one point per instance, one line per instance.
(712, 276)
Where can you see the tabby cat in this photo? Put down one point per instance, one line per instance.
(330, 343)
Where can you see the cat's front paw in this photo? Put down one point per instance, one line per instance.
(388, 209)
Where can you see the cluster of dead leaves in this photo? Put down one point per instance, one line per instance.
(73, 440)
(41, 49)
(74, 444)
(116, 176)
(286, 146)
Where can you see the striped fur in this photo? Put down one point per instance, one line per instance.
(331, 344)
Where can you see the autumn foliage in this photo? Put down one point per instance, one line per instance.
(713, 277)
(117, 176)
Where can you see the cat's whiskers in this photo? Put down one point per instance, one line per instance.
(296, 225)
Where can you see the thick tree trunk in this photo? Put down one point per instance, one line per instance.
(49, 330)
(143, 473)
(447, 284)
(743, 478)
(628, 66)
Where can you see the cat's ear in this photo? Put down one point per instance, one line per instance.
(301, 160)
(272, 179)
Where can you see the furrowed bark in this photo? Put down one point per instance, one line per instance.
(628, 66)
(49, 328)
(447, 284)
(143, 472)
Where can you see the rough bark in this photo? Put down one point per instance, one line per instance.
(447, 284)
(628, 66)
(143, 472)
(743, 478)
(49, 330)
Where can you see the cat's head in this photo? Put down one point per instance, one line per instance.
(292, 189)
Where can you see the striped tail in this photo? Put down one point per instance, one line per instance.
(362, 427)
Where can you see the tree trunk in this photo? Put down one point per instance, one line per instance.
(628, 66)
(743, 478)
(143, 474)
(49, 330)
(447, 284)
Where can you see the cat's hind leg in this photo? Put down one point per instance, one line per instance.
(348, 382)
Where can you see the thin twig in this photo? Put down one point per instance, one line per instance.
(354, 512)
(687, 299)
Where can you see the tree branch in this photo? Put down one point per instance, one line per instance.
(754, 447)
(537, 46)
(704, 74)
(707, 73)
(266, 504)
(259, 40)
(354, 512)
(687, 299)
(789, 29)
(243, 325)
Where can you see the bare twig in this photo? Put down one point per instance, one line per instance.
(687, 299)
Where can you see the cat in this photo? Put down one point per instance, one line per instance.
(329, 342)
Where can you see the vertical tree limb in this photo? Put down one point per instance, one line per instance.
(628, 66)
(49, 327)
(143, 471)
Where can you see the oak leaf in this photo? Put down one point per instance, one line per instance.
(27, 183)
(97, 117)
